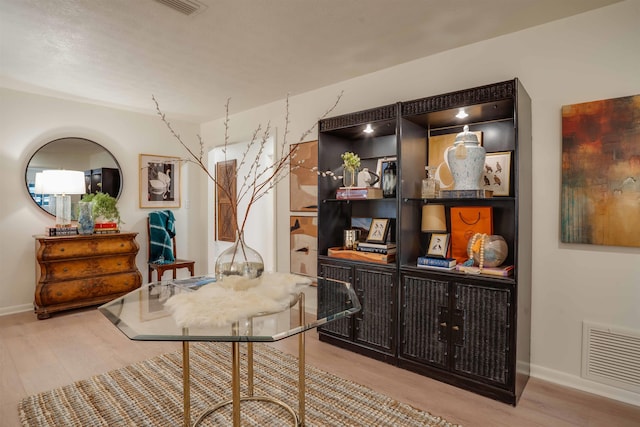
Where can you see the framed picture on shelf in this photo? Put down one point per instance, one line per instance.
(378, 230)
(382, 163)
(438, 245)
(497, 173)
(159, 181)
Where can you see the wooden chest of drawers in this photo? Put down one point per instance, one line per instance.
(80, 271)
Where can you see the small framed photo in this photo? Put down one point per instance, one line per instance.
(497, 173)
(159, 181)
(438, 245)
(382, 163)
(378, 230)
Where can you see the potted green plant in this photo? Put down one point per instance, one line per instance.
(105, 207)
(350, 164)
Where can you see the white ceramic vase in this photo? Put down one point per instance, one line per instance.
(466, 161)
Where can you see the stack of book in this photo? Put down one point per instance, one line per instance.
(62, 231)
(105, 227)
(377, 248)
(436, 263)
(358, 193)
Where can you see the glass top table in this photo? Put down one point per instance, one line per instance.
(141, 315)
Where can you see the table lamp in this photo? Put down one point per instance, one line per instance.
(433, 219)
(62, 183)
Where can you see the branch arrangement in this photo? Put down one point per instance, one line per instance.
(259, 179)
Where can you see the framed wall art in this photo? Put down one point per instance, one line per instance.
(226, 200)
(304, 245)
(497, 173)
(601, 172)
(303, 179)
(159, 181)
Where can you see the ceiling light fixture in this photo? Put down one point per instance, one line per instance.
(368, 128)
(462, 114)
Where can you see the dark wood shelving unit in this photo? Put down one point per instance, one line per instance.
(472, 331)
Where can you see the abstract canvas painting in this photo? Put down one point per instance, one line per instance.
(304, 245)
(601, 172)
(303, 180)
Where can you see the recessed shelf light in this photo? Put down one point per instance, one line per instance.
(462, 114)
(368, 128)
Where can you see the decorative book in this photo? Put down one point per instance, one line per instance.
(358, 193)
(61, 231)
(380, 248)
(436, 262)
(466, 194)
(504, 271)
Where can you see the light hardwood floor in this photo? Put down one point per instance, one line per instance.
(36, 356)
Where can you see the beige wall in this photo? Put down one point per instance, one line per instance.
(27, 122)
(587, 57)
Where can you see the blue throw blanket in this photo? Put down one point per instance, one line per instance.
(161, 231)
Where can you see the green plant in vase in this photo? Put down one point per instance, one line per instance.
(351, 164)
(105, 208)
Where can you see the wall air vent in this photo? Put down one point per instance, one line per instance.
(611, 356)
(186, 7)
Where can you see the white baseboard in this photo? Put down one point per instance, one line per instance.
(4, 311)
(579, 383)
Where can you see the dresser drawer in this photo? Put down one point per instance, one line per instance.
(86, 267)
(52, 249)
(86, 289)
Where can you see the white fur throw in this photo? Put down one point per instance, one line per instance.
(233, 298)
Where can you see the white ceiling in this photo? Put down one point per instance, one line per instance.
(120, 52)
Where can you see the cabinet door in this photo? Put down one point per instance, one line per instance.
(374, 324)
(425, 317)
(480, 331)
(340, 327)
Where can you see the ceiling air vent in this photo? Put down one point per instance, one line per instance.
(186, 7)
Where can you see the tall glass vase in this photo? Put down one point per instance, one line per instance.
(349, 177)
(239, 260)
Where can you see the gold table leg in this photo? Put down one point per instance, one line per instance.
(235, 382)
(301, 365)
(186, 385)
(236, 399)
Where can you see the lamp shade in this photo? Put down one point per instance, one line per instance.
(433, 219)
(39, 184)
(62, 182)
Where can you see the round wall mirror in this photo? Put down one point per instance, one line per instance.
(101, 170)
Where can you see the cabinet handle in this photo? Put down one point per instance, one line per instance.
(443, 324)
(455, 328)
(64, 270)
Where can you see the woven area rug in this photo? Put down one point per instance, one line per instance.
(149, 393)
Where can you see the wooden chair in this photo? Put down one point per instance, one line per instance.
(173, 266)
